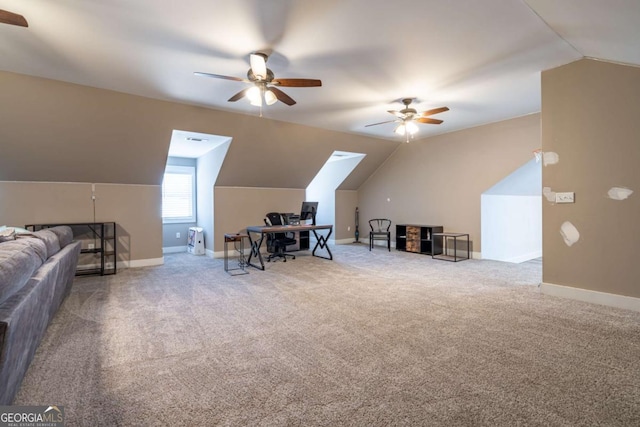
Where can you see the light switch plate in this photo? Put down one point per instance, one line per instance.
(568, 197)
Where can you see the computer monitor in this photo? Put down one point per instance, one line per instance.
(308, 211)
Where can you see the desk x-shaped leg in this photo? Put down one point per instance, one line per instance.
(321, 242)
(255, 251)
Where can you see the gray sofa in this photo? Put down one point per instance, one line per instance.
(36, 273)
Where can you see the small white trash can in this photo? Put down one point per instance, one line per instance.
(195, 241)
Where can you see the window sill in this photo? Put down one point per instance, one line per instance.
(179, 221)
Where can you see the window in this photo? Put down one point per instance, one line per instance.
(178, 194)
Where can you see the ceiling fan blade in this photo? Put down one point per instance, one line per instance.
(12, 19)
(381, 123)
(258, 63)
(428, 120)
(282, 97)
(435, 111)
(218, 76)
(239, 95)
(297, 82)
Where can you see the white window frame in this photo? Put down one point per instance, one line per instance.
(182, 170)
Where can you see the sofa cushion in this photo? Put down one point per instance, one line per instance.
(37, 245)
(19, 259)
(32, 240)
(64, 233)
(50, 239)
(7, 234)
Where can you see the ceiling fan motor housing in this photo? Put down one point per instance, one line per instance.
(253, 78)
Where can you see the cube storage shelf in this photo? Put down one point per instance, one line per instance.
(98, 254)
(446, 255)
(419, 239)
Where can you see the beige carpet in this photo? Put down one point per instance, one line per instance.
(370, 339)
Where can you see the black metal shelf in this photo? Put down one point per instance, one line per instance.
(102, 257)
(90, 251)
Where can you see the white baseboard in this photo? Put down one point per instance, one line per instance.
(463, 253)
(220, 254)
(342, 241)
(174, 249)
(515, 260)
(523, 258)
(595, 297)
(232, 252)
(135, 263)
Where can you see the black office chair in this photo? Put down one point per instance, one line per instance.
(278, 242)
(380, 231)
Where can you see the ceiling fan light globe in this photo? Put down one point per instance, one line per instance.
(254, 96)
(412, 128)
(400, 130)
(270, 98)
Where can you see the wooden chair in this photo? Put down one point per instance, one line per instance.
(380, 231)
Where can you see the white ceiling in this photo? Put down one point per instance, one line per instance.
(482, 59)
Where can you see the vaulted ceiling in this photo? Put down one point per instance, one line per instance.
(482, 59)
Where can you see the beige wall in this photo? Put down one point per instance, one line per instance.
(23, 203)
(239, 207)
(135, 209)
(346, 203)
(439, 180)
(62, 132)
(590, 118)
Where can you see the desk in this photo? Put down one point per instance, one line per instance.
(321, 240)
(445, 254)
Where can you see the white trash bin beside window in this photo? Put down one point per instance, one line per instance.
(195, 241)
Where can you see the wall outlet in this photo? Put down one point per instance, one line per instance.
(568, 197)
(91, 246)
(177, 235)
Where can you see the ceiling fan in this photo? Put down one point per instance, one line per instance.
(12, 19)
(264, 83)
(407, 116)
